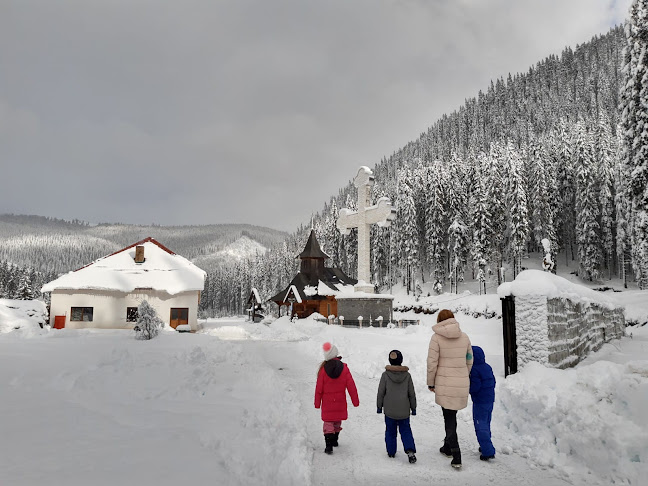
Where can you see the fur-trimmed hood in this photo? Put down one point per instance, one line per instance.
(448, 328)
(397, 374)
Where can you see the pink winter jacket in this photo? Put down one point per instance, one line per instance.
(448, 365)
(333, 381)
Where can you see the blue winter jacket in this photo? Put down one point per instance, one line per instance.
(482, 379)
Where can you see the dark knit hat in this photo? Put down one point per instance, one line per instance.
(395, 358)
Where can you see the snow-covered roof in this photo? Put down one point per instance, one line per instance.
(537, 282)
(161, 270)
(295, 293)
(256, 294)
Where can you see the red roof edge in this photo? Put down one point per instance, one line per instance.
(145, 240)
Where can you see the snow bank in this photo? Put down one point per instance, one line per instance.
(26, 316)
(282, 329)
(635, 303)
(590, 418)
(487, 305)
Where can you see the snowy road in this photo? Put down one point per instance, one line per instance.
(234, 406)
(361, 458)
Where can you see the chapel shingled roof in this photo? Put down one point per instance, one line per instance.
(312, 248)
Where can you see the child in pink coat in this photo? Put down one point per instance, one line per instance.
(333, 381)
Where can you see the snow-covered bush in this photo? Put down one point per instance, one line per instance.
(148, 323)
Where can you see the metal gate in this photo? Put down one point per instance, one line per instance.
(510, 343)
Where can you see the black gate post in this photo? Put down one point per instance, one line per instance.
(510, 342)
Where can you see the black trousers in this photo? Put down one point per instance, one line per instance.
(450, 421)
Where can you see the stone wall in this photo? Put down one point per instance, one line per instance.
(576, 329)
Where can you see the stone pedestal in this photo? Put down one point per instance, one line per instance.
(368, 306)
(364, 287)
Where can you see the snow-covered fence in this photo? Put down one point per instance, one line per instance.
(363, 323)
(554, 321)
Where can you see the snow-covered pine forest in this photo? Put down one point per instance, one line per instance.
(538, 155)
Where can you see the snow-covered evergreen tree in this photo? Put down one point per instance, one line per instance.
(518, 221)
(24, 290)
(622, 212)
(605, 151)
(407, 238)
(349, 244)
(148, 323)
(587, 207)
(543, 193)
(458, 248)
(437, 221)
(480, 218)
(634, 121)
(562, 153)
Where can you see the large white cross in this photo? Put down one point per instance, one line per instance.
(382, 213)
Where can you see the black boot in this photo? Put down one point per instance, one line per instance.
(411, 456)
(445, 450)
(335, 439)
(456, 458)
(328, 438)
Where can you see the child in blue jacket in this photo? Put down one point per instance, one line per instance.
(482, 393)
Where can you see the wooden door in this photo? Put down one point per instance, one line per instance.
(179, 315)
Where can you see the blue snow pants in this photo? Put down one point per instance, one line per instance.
(392, 426)
(482, 413)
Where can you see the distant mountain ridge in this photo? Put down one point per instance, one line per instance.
(55, 245)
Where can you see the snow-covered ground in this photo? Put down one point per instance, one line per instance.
(233, 404)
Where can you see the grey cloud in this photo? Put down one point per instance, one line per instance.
(242, 111)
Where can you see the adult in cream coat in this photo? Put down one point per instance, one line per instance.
(448, 376)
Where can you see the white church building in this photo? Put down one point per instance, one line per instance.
(106, 293)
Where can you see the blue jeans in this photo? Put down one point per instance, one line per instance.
(482, 413)
(392, 426)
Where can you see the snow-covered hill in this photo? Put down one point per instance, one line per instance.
(236, 251)
(60, 246)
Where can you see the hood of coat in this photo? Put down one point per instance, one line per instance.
(448, 328)
(397, 374)
(334, 368)
(478, 355)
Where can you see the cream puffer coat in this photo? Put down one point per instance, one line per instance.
(448, 365)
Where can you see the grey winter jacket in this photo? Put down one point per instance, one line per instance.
(396, 393)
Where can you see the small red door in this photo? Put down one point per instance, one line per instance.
(59, 322)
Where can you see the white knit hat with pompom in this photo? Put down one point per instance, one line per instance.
(330, 351)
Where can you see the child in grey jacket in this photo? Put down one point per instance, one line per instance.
(397, 396)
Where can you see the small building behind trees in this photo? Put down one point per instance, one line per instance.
(315, 287)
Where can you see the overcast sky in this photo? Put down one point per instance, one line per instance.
(243, 111)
